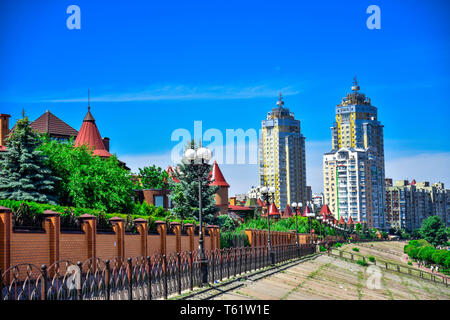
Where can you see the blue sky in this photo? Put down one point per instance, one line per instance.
(155, 66)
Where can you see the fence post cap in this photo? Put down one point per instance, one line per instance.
(175, 223)
(116, 220)
(87, 216)
(50, 213)
(140, 220)
(4, 209)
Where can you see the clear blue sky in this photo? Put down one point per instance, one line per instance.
(155, 66)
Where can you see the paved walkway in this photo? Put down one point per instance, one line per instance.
(334, 279)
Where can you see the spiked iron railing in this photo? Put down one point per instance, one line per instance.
(139, 278)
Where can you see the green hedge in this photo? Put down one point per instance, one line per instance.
(423, 250)
(29, 214)
(234, 239)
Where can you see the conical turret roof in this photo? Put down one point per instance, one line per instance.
(217, 176)
(90, 136)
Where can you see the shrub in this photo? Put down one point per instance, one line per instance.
(371, 258)
(355, 249)
(322, 248)
(426, 253)
(233, 239)
(338, 245)
(409, 263)
(362, 263)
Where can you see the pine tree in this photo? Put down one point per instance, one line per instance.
(24, 174)
(185, 193)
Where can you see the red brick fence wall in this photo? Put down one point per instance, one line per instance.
(51, 244)
(259, 238)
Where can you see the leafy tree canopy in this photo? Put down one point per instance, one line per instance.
(433, 230)
(86, 180)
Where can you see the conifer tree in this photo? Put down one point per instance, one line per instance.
(24, 174)
(186, 193)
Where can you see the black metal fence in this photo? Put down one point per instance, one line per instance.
(139, 278)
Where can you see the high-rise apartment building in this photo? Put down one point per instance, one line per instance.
(282, 156)
(354, 168)
(408, 204)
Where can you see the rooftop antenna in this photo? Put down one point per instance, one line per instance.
(355, 86)
(280, 101)
(89, 100)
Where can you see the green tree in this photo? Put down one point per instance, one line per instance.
(89, 181)
(153, 178)
(24, 174)
(185, 198)
(433, 230)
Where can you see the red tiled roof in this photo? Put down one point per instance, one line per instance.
(90, 136)
(217, 176)
(273, 210)
(171, 173)
(260, 202)
(49, 123)
(306, 211)
(325, 210)
(287, 212)
(341, 220)
(350, 220)
(239, 208)
(413, 183)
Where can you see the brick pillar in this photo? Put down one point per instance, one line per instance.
(217, 233)
(249, 233)
(5, 239)
(119, 228)
(161, 227)
(176, 228)
(212, 241)
(142, 228)
(190, 231)
(89, 226)
(51, 226)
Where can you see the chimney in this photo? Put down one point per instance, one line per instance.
(106, 143)
(4, 128)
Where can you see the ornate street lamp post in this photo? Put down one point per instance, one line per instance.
(310, 216)
(199, 159)
(319, 218)
(296, 205)
(267, 193)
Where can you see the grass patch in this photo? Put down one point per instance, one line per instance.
(359, 286)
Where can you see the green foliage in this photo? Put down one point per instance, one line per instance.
(29, 214)
(24, 173)
(284, 225)
(355, 249)
(371, 258)
(88, 181)
(322, 248)
(423, 250)
(233, 239)
(362, 263)
(153, 178)
(225, 223)
(409, 263)
(338, 245)
(433, 230)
